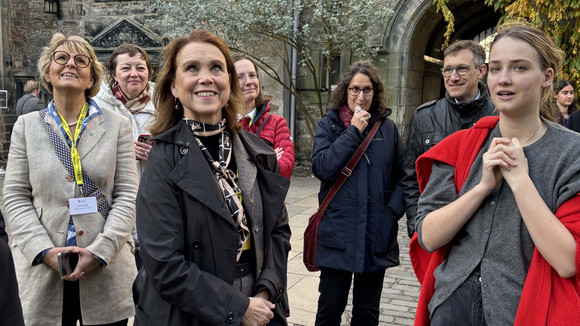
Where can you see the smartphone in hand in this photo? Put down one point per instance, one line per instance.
(145, 138)
(67, 262)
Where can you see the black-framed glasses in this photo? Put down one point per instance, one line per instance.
(62, 57)
(354, 91)
(460, 70)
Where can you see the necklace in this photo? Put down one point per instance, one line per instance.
(73, 123)
(532, 135)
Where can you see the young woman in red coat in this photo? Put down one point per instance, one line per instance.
(256, 116)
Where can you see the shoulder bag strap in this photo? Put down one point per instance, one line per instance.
(347, 170)
(22, 107)
(263, 124)
(89, 188)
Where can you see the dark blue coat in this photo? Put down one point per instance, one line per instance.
(358, 232)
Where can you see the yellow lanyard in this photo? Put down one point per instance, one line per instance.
(74, 154)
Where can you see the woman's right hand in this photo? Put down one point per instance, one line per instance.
(498, 155)
(259, 312)
(360, 120)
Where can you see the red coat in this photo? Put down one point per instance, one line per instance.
(547, 298)
(273, 129)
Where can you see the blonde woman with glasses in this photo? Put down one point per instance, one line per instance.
(69, 194)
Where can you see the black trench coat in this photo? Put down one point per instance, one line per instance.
(188, 240)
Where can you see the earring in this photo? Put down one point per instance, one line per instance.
(177, 104)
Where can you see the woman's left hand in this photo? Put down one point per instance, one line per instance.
(519, 172)
(142, 150)
(86, 264)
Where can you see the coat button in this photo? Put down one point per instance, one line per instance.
(230, 317)
(80, 232)
(70, 178)
(196, 244)
(427, 141)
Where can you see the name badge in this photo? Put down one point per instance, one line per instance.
(83, 205)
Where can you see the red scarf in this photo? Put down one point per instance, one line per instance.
(547, 299)
(346, 115)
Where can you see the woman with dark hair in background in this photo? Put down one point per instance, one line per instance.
(358, 234)
(257, 119)
(212, 223)
(564, 104)
(70, 190)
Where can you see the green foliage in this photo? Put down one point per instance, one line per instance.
(560, 19)
(264, 28)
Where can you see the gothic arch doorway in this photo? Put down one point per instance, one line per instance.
(413, 39)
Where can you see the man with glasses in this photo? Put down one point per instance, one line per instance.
(466, 101)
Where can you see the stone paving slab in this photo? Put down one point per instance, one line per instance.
(400, 288)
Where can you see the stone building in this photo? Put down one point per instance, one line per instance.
(410, 48)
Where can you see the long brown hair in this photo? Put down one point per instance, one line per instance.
(169, 111)
(340, 95)
(550, 56)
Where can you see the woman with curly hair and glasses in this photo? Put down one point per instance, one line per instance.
(358, 234)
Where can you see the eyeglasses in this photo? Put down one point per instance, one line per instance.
(252, 75)
(461, 70)
(354, 91)
(62, 57)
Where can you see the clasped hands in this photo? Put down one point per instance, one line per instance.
(504, 160)
(86, 264)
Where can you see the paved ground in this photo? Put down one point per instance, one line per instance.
(400, 288)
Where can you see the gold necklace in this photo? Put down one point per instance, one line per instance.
(532, 135)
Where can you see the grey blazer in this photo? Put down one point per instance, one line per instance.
(36, 194)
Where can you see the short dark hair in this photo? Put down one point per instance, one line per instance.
(340, 95)
(474, 47)
(131, 50)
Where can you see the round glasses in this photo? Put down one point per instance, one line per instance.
(252, 75)
(460, 70)
(354, 91)
(62, 57)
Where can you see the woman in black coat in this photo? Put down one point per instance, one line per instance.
(211, 219)
(358, 233)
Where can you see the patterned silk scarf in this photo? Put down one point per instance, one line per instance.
(135, 105)
(226, 178)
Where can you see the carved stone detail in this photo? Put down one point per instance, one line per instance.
(126, 31)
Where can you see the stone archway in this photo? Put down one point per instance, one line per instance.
(413, 39)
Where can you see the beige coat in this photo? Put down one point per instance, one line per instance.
(36, 194)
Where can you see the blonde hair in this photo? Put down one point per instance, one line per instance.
(80, 46)
(169, 110)
(31, 86)
(550, 56)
